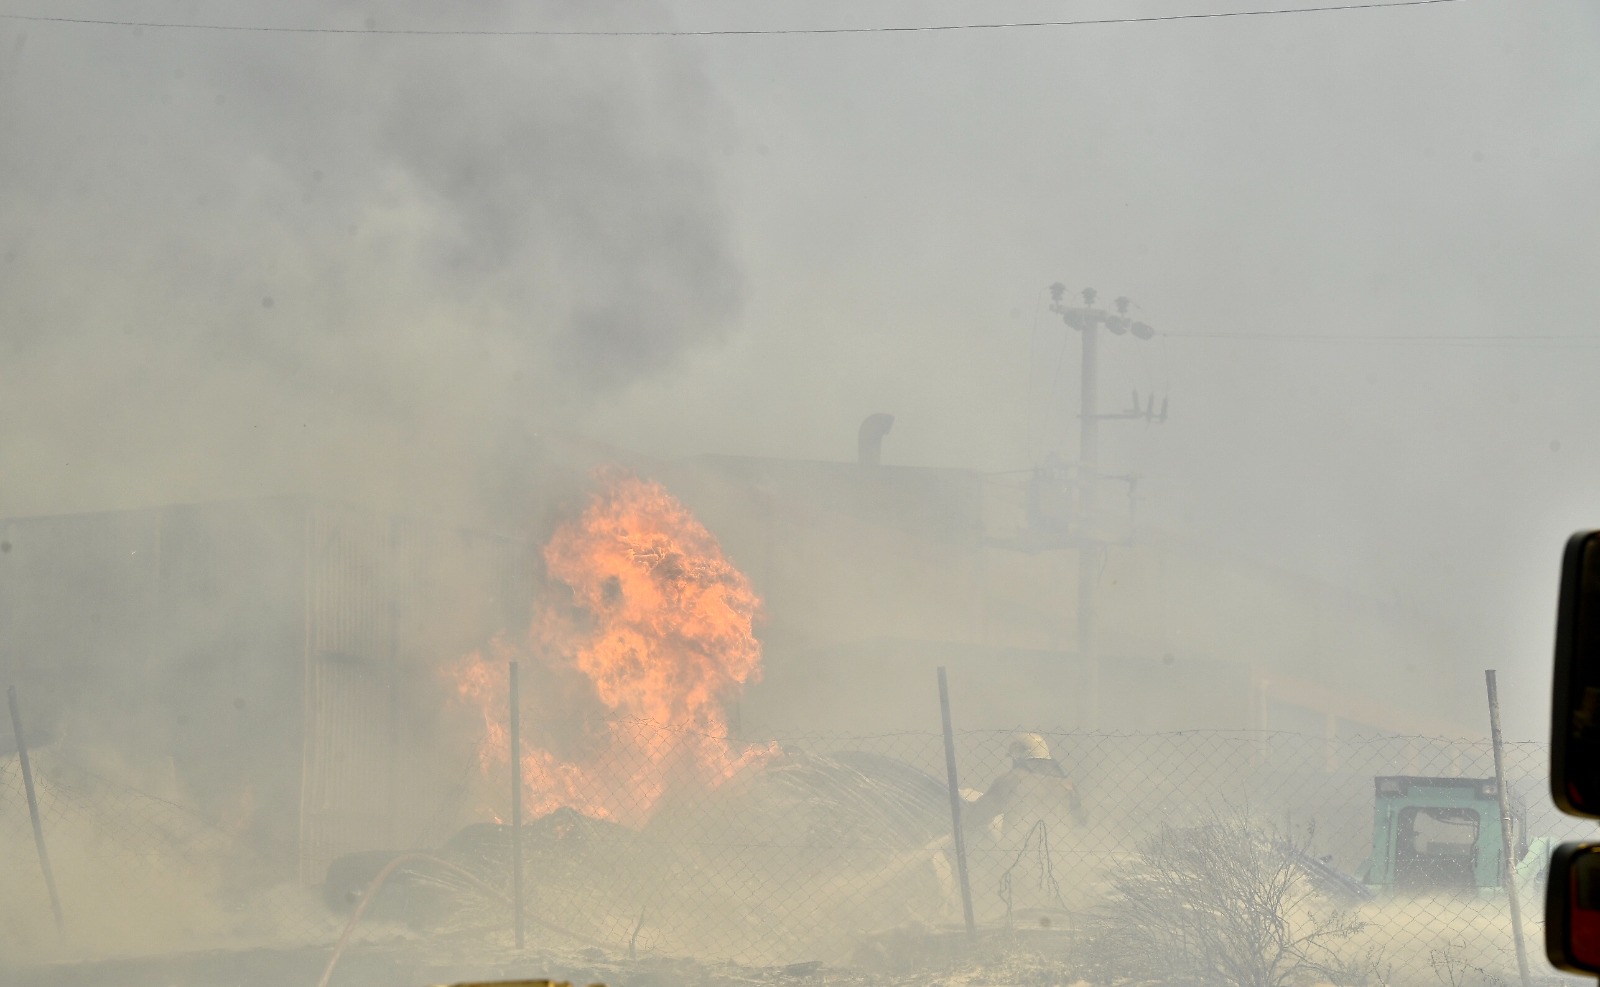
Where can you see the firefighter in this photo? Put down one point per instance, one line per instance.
(1019, 829)
(1036, 787)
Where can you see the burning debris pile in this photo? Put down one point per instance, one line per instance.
(799, 854)
(643, 631)
(831, 846)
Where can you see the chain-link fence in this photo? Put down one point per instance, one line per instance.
(1314, 797)
(840, 850)
(136, 872)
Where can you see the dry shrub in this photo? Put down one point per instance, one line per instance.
(1222, 904)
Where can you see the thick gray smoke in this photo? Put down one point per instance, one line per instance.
(362, 267)
(434, 276)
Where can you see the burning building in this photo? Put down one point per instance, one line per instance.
(336, 682)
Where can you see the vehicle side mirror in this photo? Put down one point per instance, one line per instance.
(1575, 706)
(1572, 895)
(1572, 908)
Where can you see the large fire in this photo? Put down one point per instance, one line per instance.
(659, 627)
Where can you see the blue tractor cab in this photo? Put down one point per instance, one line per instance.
(1435, 834)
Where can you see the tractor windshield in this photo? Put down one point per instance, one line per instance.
(1437, 847)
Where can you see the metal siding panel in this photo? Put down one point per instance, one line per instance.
(389, 605)
(345, 793)
(455, 591)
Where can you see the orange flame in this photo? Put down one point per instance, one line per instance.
(660, 626)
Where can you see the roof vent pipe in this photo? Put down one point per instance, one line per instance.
(869, 441)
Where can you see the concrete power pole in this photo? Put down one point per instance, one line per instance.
(1090, 551)
(1088, 321)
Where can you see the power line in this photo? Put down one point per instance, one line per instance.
(1440, 338)
(709, 33)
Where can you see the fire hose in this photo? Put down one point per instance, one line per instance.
(407, 858)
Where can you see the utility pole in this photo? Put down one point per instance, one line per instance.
(1089, 550)
(1088, 321)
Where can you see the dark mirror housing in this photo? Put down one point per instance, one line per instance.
(1575, 706)
(1572, 908)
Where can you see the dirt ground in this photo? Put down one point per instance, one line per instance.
(993, 962)
(1026, 958)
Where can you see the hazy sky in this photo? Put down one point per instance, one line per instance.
(243, 263)
(902, 202)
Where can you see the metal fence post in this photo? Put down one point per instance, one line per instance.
(1509, 873)
(516, 804)
(33, 807)
(955, 805)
